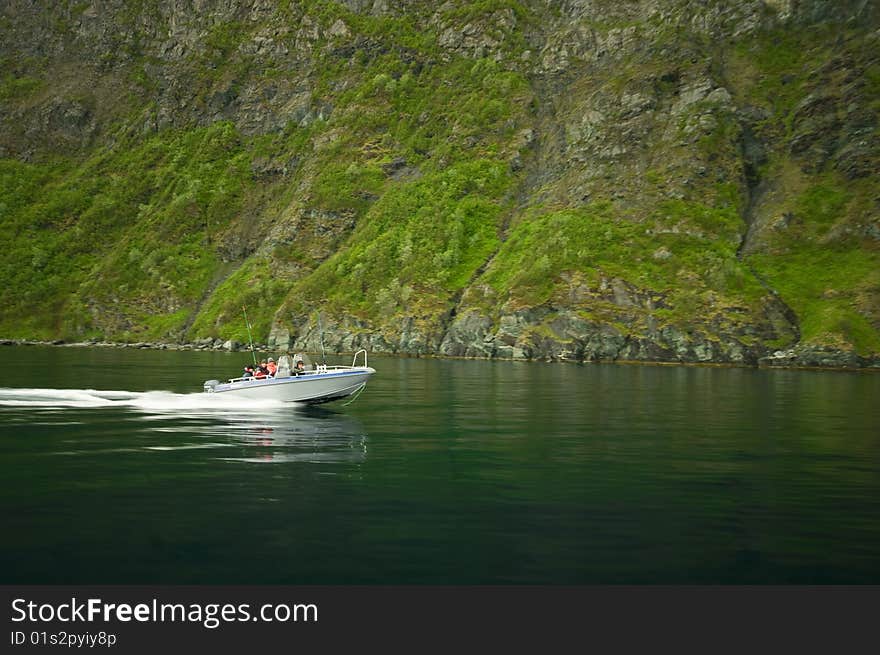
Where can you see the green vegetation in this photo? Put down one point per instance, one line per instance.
(130, 232)
(816, 253)
(254, 286)
(780, 65)
(13, 87)
(401, 166)
(674, 253)
(823, 286)
(825, 274)
(417, 246)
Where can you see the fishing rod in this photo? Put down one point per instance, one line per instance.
(321, 332)
(250, 338)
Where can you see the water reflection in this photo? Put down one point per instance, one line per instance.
(478, 473)
(90, 422)
(271, 434)
(308, 434)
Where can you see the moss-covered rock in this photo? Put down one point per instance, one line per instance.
(660, 181)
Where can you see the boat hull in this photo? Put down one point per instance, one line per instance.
(311, 388)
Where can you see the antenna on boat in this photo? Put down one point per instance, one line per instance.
(321, 332)
(250, 338)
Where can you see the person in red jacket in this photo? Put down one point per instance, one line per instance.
(271, 367)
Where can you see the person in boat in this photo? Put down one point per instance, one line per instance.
(261, 371)
(271, 367)
(248, 371)
(284, 366)
(300, 367)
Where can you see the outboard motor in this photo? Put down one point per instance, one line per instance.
(210, 384)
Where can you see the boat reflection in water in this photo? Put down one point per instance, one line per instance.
(269, 435)
(210, 427)
(309, 434)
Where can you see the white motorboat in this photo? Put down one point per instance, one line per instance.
(314, 384)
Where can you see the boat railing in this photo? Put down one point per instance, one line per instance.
(323, 368)
(318, 369)
(250, 377)
(354, 360)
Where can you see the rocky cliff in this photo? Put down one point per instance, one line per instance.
(588, 180)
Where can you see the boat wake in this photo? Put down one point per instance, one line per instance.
(151, 401)
(242, 430)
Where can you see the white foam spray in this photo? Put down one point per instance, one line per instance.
(150, 401)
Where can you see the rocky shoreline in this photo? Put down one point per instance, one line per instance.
(798, 357)
(198, 344)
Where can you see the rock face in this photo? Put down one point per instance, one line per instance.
(809, 357)
(554, 333)
(587, 180)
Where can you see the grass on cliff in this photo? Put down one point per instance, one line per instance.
(128, 232)
(409, 164)
(431, 115)
(18, 87)
(817, 254)
(135, 232)
(254, 286)
(686, 251)
(828, 274)
(414, 155)
(419, 244)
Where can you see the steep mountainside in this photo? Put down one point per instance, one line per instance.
(590, 179)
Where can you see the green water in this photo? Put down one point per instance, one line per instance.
(450, 472)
